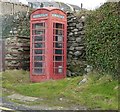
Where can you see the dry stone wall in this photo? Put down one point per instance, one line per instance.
(17, 54)
(75, 45)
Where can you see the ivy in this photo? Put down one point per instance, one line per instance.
(103, 38)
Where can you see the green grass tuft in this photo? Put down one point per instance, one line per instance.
(100, 92)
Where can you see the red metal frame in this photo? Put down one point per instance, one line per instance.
(49, 16)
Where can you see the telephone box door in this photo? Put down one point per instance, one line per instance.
(38, 48)
(59, 50)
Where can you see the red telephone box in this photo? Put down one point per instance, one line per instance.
(48, 44)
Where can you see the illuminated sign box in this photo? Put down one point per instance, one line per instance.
(39, 15)
(58, 16)
(46, 15)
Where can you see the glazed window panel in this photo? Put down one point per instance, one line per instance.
(39, 45)
(39, 71)
(39, 51)
(58, 58)
(59, 32)
(39, 58)
(38, 64)
(58, 51)
(38, 25)
(58, 25)
(39, 32)
(39, 38)
(59, 38)
(57, 64)
(58, 70)
(58, 45)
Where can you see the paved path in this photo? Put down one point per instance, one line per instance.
(6, 105)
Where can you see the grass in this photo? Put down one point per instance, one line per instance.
(100, 92)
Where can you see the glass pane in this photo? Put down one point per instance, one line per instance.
(39, 51)
(58, 25)
(58, 58)
(57, 64)
(39, 58)
(59, 32)
(38, 32)
(39, 45)
(38, 64)
(39, 38)
(38, 25)
(58, 45)
(58, 51)
(58, 70)
(59, 38)
(38, 71)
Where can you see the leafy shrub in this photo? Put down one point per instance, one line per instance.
(102, 38)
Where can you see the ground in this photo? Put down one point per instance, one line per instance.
(97, 92)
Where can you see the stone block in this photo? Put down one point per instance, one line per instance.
(77, 53)
(71, 48)
(78, 39)
(79, 48)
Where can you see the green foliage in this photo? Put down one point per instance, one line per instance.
(102, 38)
